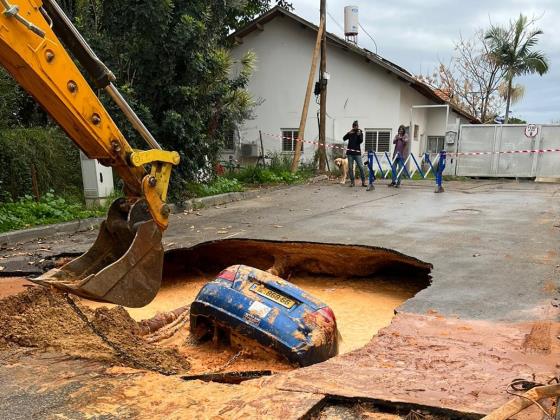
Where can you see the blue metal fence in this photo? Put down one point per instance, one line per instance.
(398, 167)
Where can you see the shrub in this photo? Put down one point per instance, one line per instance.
(45, 151)
(220, 185)
(27, 212)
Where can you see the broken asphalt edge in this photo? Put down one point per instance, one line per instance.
(26, 235)
(389, 406)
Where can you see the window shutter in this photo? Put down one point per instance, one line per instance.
(384, 142)
(289, 140)
(435, 144)
(371, 140)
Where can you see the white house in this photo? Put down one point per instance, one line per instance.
(363, 86)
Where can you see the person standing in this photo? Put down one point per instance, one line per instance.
(400, 141)
(355, 138)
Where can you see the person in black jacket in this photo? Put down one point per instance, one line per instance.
(355, 138)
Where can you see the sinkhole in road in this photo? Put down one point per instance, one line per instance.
(363, 285)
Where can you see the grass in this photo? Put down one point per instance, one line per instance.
(220, 185)
(255, 175)
(277, 172)
(26, 212)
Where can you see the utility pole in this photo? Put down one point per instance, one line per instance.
(323, 98)
(312, 73)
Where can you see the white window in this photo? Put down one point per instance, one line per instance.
(289, 140)
(377, 140)
(435, 144)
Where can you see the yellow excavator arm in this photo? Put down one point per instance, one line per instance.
(124, 266)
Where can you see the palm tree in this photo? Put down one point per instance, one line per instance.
(513, 50)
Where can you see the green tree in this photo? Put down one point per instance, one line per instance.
(515, 120)
(170, 62)
(241, 12)
(512, 49)
(173, 66)
(17, 108)
(9, 100)
(471, 80)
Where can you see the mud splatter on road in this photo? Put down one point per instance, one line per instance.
(10, 286)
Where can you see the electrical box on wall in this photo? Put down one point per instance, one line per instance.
(97, 180)
(450, 137)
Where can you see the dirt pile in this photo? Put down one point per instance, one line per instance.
(49, 320)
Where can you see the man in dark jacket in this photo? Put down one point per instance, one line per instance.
(355, 138)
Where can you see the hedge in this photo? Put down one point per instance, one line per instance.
(48, 153)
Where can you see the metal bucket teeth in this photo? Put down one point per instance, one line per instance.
(124, 265)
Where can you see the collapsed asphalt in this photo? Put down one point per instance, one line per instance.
(490, 314)
(493, 244)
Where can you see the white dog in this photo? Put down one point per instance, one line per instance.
(342, 163)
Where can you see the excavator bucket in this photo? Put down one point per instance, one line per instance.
(124, 265)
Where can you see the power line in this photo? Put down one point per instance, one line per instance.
(335, 21)
(370, 37)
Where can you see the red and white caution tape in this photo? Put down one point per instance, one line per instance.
(334, 146)
(505, 152)
(316, 143)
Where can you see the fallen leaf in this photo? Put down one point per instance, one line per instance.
(222, 232)
(2, 268)
(278, 226)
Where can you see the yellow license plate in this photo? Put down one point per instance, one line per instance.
(273, 296)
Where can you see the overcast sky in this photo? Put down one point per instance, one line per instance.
(416, 34)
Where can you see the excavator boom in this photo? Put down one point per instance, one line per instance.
(124, 266)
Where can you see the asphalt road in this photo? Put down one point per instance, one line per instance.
(494, 245)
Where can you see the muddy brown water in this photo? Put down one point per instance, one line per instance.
(363, 286)
(361, 306)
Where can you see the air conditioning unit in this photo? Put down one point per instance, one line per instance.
(249, 150)
(97, 179)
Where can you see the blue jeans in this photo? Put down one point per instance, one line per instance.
(397, 166)
(440, 169)
(358, 160)
(370, 168)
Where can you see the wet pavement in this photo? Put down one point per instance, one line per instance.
(493, 244)
(457, 343)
